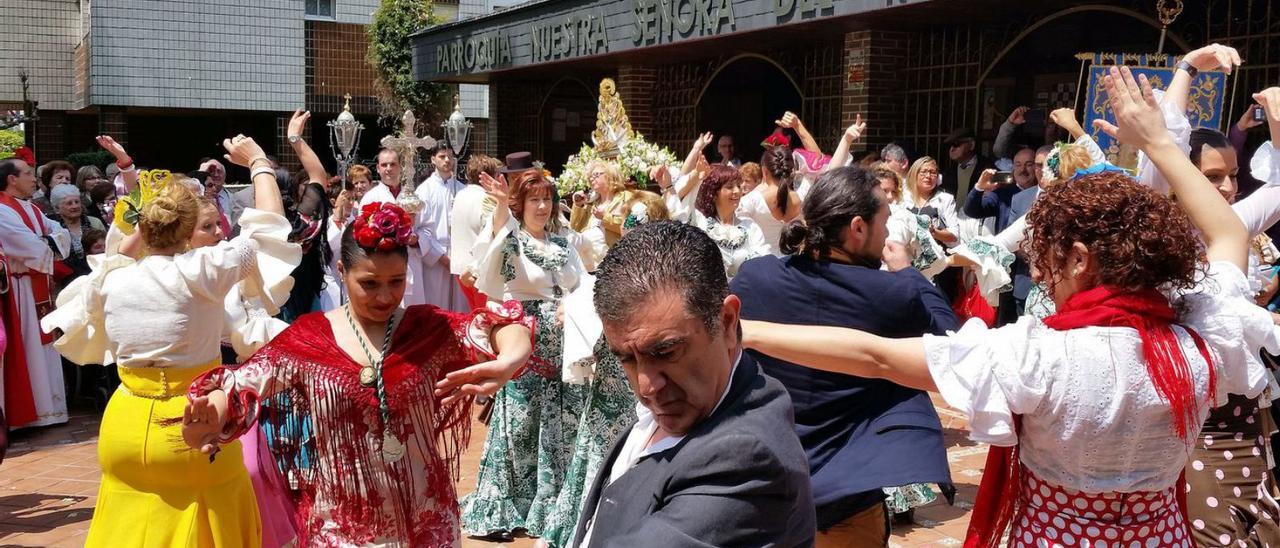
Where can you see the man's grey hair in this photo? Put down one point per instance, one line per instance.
(662, 256)
(1044, 150)
(893, 153)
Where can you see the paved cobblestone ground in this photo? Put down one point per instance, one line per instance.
(49, 484)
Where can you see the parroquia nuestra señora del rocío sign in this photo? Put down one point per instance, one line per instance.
(545, 31)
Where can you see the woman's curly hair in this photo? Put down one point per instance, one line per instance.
(1137, 238)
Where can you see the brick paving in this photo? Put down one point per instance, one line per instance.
(49, 484)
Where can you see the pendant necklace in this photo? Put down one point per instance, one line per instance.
(371, 377)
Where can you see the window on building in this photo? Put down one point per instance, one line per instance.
(320, 8)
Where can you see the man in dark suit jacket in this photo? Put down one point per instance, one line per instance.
(861, 435)
(713, 459)
(967, 164)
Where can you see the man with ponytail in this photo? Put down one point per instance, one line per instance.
(860, 434)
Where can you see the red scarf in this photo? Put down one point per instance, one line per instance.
(1148, 312)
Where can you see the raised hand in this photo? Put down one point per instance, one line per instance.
(1269, 100)
(298, 123)
(1214, 57)
(703, 141)
(1018, 116)
(1246, 121)
(986, 181)
(789, 120)
(856, 130)
(243, 151)
(1139, 122)
(498, 188)
(110, 145)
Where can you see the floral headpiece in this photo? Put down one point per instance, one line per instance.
(1051, 162)
(777, 138)
(129, 208)
(639, 215)
(383, 226)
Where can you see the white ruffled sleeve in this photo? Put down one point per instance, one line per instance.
(989, 375)
(261, 257)
(489, 257)
(994, 256)
(79, 314)
(1179, 128)
(1234, 328)
(1265, 165)
(248, 325)
(582, 330)
(678, 209)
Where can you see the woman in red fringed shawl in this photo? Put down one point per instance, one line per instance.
(1091, 412)
(370, 401)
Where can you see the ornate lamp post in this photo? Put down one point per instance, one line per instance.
(344, 135)
(456, 128)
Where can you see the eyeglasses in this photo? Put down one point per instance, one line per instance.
(595, 176)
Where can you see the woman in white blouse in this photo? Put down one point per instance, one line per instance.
(716, 213)
(923, 197)
(1103, 399)
(524, 255)
(774, 202)
(157, 318)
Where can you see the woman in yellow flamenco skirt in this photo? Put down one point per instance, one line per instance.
(156, 310)
(150, 477)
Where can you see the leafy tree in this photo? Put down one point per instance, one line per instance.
(10, 140)
(391, 56)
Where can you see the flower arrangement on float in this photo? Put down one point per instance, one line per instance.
(613, 140)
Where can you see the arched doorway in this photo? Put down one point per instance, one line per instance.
(1038, 68)
(743, 99)
(568, 115)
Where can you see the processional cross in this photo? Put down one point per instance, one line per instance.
(406, 144)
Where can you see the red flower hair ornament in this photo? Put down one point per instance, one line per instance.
(383, 226)
(777, 138)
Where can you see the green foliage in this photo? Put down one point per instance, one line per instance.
(391, 56)
(92, 157)
(10, 140)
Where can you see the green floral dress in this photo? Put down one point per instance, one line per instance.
(610, 409)
(530, 443)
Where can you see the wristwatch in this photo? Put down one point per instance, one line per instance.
(1184, 65)
(294, 139)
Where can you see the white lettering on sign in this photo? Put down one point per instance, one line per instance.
(662, 21)
(474, 54)
(575, 35)
(784, 10)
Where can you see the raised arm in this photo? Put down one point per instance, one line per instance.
(1209, 57)
(128, 171)
(789, 119)
(310, 162)
(1005, 135)
(499, 190)
(243, 151)
(699, 144)
(1141, 124)
(842, 350)
(1065, 118)
(851, 134)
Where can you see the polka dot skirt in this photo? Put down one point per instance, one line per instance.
(1054, 516)
(1230, 492)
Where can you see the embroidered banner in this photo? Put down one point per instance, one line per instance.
(1204, 103)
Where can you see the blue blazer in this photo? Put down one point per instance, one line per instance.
(995, 203)
(859, 434)
(1018, 207)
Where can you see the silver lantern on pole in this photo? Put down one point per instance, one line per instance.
(344, 136)
(456, 128)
